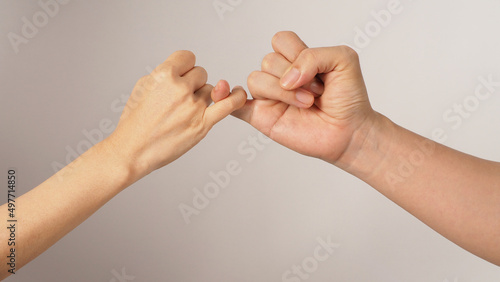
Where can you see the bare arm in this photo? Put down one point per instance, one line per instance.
(51, 210)
(456, 194)
(167, 113)
(314, 101)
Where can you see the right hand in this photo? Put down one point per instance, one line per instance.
(286, 109)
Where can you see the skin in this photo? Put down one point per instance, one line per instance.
(322, 111)
(167, 114)
(456, 194)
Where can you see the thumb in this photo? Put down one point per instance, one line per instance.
(313, 61)
(226, 106)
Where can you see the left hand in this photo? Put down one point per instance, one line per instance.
(168, 113)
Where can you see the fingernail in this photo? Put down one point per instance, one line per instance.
(304, 97)
(290, 78)
(317, 88)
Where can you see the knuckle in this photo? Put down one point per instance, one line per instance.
(203, 73)
(269, 61)
(309, 54)
(148, 82)
(276, 37)
(162, 73)
(280, 35)
(349, 53)
(240, 99)
(202, 70)
(185, 54)
(252, 80)
(143, 80)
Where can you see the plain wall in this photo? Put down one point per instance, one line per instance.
(69, 76)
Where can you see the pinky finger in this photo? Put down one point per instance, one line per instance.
(225, 107)
(220, 91)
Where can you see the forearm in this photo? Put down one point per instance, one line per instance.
(167, 114)
(55, 207)
(456, 194)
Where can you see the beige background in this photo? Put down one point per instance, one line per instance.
(72, 73)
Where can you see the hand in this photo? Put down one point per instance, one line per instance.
(168, 113)
(294, 109)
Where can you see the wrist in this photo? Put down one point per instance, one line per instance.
(368, 148)
(120, 164)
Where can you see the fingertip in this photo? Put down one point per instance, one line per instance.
(235, 101)
(305, 98)
(238, 88)
(317, 87)
(216, 88)
(220, 91)
(223, 84)
(290, 78)
(239, 91)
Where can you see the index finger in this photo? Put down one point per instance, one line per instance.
(288, 44)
